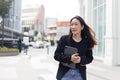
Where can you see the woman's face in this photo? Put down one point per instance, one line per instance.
(76, 27)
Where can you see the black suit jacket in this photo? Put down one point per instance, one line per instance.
(86, 56)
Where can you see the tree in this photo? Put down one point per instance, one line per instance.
(4, 10)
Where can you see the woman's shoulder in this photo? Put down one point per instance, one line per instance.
(64, 37)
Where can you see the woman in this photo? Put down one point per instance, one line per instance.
(81, 37)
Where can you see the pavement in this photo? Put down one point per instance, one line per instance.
(99, 71)
(39, 64)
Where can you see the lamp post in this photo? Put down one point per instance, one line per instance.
(0, 20)
(0, 26)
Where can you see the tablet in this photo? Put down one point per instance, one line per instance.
(70, 50)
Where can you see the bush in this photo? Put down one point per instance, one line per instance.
(52, 42)
(4, 49)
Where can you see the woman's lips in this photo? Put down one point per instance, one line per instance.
(74, 30)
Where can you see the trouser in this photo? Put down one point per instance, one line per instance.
(72, 74)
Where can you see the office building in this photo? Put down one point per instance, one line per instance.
(12, 23)
(103, 16)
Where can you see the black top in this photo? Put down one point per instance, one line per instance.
(84, 53)
(79, 45)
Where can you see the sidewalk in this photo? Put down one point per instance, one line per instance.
(38, 65)
(16, 68)
(95, 71)
(45, 65)
(99, 71)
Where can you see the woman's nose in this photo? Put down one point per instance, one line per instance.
(73, 26)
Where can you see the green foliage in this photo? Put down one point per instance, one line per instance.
(4, 49)
(45, 40)
(52, 42)
(35, 33)
(4, 7)
(4, 10)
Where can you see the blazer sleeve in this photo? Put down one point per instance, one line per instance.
(88, 58)
(59, 55)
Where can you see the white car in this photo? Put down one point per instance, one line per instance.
(31, 43)
(46, 44)
(38, 44)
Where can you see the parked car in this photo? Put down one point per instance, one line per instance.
(38, 44)
(46, 44)
(31, 43)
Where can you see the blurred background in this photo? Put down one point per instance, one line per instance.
(38, 24)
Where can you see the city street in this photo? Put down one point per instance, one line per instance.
(42, 23)
(39, 64)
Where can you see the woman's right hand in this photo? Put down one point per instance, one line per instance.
(75, 58)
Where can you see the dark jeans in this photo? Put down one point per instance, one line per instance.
(72, 74)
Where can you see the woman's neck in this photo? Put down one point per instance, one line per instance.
(77, 38)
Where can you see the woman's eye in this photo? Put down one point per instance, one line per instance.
(74, 24)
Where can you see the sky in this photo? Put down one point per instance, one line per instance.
(61, 9)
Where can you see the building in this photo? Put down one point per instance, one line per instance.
(12, 27)
(103, 16)
(50, 28)
(57, 28)
(39, 22)
(63, 28)
(33, 21)
(28, 21)
(52, 32)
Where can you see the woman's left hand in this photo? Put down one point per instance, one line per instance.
(76, 59)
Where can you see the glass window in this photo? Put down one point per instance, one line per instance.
(99, 25)
(100, 2)
(94, 3)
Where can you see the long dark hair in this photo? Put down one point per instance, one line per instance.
(87, 32)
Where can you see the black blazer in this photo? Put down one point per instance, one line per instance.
(86, 57)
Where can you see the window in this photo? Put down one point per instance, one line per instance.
(99, 25)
